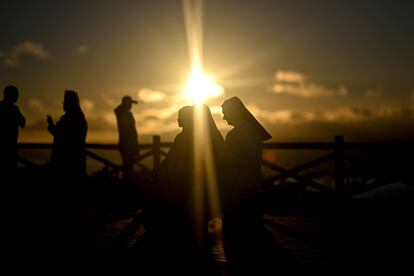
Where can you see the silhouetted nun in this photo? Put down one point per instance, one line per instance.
(178, 168)
(69, 135)
(183, 199)
(247, 243)
(175, 173)
(167, 226)
(10, 120)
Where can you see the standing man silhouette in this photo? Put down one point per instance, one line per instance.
(128, 136)
(10, 120)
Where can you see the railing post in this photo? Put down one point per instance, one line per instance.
(339, 164)
(156, 144)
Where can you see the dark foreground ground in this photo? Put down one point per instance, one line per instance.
(310, 231)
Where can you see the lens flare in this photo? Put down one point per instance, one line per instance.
(200, 87)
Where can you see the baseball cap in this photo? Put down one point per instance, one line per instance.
(128, 99)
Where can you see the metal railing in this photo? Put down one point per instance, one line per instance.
(339, 154)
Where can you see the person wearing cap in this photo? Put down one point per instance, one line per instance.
(10, 120)
(128, 136)
(245, 237)
(68, 158)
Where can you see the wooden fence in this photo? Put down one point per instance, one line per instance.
(338, 154)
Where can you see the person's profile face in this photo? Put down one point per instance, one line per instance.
(227, 115)
(179, 120)
(185, 118)
(182, 120)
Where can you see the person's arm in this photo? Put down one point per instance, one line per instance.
(51, 125)
(21, 119)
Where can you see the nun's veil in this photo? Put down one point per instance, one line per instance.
(212, 127)
(242, 114)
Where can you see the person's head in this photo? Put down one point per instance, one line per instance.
(10, 94)
(232, 111)
(127, 102)
(235, 113)
(71, 101)
(185, 117)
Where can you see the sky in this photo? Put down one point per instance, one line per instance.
(308, 70)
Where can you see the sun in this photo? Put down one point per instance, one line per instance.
(200, 87)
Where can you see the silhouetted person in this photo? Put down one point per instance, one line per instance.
(69, 135)
(128, 136)
(183, 188)
(177, 166)
(247, 243)
(10, 120)
(68, 171)
(194, 159)
(167, 226)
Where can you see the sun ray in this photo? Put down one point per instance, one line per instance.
(198, 88)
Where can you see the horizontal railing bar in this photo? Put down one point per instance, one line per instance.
(310, 146)
(331, 145)
(143, 146)
(278, 145)
(90, 146)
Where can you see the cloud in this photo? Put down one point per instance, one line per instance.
(344, 114)
(310, 90)
(158, 118)
(109, 118)
(151, 96)
(160, 113)
(289, 76)
(25, 48)
(37, 105)
(151, 127)
(296, 84)
(374, 93)
(87, 106)
(109, 101)
(275, 116)
(82, 49)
